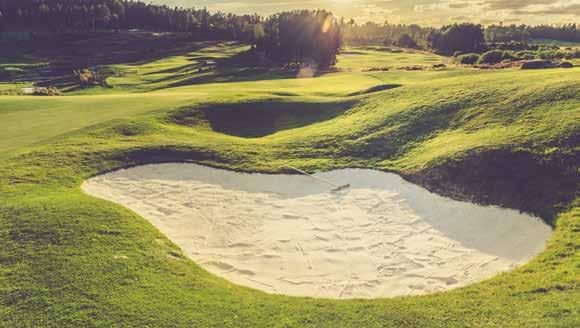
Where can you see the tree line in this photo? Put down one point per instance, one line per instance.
(295, 38)
(403, 35)
(465, 37)
(291, 38)
(473, 38)
(98, 15)
(501, 33)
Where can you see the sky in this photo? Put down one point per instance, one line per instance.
(423, 12)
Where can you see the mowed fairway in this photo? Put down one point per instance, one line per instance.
(369, 57)
(506, 138)
(28, 120)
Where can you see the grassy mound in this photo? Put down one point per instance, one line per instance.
(505, 138)
(377, 88)
(259, 119)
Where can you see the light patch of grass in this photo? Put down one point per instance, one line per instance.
(361, 58)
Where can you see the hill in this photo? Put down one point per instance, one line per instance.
(507, 138)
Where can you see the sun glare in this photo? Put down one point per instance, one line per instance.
(327, 24)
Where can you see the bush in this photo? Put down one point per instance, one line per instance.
(87, 78)
(572, 53)
(491, 57)
(551, 54)
(538, 64)
(566, 65)
(509, 56)
(468, 59)
(526, 55)
(49, 91)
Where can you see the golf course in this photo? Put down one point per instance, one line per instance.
(95, 182)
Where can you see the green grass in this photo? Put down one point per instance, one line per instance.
(13, 88)
(563, 44)
(71, 260)
(356, 58)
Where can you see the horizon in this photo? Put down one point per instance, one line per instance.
(422, 12)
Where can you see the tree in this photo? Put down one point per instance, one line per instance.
(373, 33)
(102, 16)
(302, 37)
(464, 37)
(258, 35)
(491, 57)
(406, 41)
(1, 22)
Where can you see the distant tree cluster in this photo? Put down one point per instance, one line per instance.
(496, 56)
(94, 15)
(409, 36)
(501, 33)
(464, 37)
(458, 39)
(296, 38)
(290, 38)
(301, 37)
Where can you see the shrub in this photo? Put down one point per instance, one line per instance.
(491, 57)
(538, 64)
(11, 92)
(87, 78)
(572, 53)
(468, 59)
(526, 54)
(551, 54)
(509, 56)
(49, 91)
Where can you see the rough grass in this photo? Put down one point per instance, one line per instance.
(71, 260)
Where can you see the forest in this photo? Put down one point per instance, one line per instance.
(318, 43)
(294, 38)
(501, 33)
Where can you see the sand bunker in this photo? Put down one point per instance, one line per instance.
(287, 234)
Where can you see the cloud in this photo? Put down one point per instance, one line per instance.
(423, 12)
(459, 5)
(572, 10)
(515, 4)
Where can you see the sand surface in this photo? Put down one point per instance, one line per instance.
(287, 234)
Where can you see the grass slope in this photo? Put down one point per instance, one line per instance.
(72, 260)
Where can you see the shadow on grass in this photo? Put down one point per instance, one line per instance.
(241, 67)
(260, 119)
(376, 89)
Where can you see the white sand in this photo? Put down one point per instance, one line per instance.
(287, 234)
